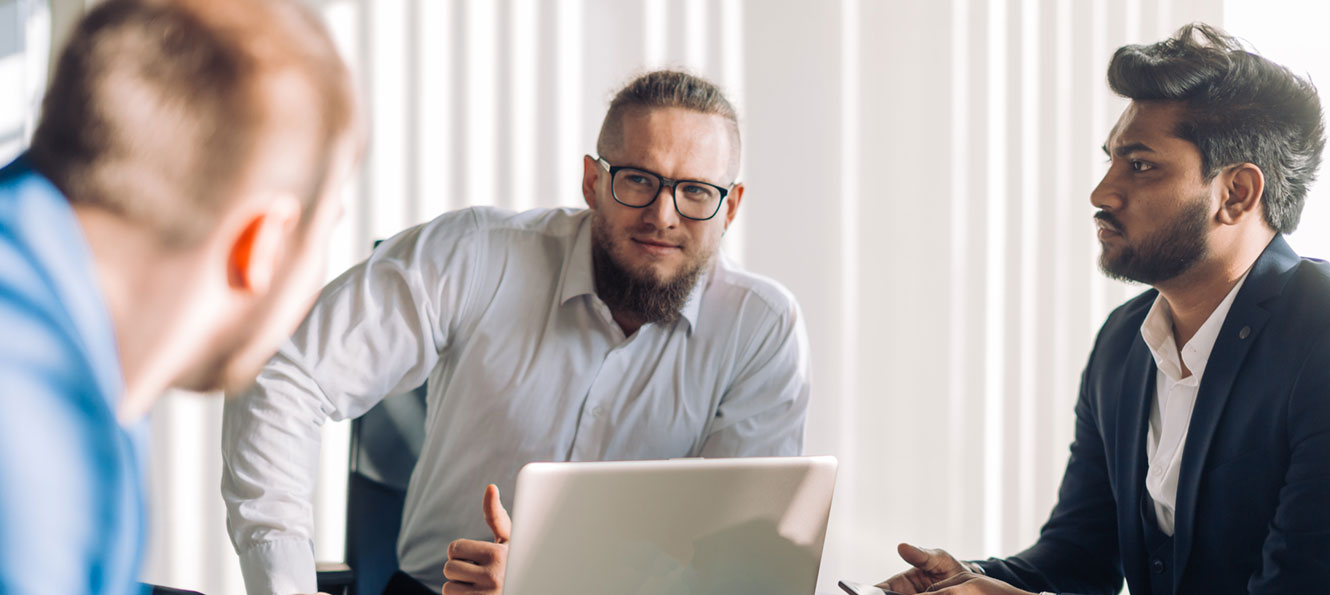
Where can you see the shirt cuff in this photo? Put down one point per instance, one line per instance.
(282, 567)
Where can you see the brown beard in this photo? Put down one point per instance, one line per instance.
(1169, 252)
(639, 294)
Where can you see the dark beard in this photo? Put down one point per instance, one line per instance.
(1164, 255)
(640, 295)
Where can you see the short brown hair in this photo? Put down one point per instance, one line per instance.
(664, 89)
(160, 111)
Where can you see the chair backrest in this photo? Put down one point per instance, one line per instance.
(386, 440)
(385, 443)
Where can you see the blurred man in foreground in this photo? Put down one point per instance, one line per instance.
(166, 229)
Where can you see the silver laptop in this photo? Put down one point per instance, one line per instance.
(682, 526)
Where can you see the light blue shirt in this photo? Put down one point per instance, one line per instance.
(71, 490)
(525, 363)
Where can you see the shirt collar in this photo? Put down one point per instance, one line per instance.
(1157, 330)
(579, 275)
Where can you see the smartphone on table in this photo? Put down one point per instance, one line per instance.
(854, 588)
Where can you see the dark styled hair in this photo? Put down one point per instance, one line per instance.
(160, 111)
(1239, 108)
(663, 89)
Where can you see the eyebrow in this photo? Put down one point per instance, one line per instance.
(638, 167)
(1125, 150)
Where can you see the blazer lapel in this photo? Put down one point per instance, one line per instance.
(1244, 322)
(1138, 378)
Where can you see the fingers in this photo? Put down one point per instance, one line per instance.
(495, 516)
(468, 574)
(958, 579)
(935, 562)
(455, 588)
(479, 553)
(910, 582)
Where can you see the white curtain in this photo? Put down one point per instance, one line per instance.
(25, 41)
(918, 176)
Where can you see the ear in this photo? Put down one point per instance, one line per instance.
(256, 251)
(590, 175)
(732, 201)
(1242, 188)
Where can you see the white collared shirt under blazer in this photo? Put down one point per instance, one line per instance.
(1175, 397)
(498, 311)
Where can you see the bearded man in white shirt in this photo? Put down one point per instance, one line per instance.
(613, 332)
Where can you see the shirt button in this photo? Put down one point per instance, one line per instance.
(598, 411)
(1157, 566)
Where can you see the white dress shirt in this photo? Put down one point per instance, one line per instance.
(1175, 396)
(524, 362)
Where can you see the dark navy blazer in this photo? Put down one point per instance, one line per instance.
(1253, 503)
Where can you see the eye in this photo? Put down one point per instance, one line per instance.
(1141, 166)
(697, 192)
(638, 179)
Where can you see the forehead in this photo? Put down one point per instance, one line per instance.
(677, 143)
(1150, 123)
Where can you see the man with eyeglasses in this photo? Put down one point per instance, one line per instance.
(612, 332)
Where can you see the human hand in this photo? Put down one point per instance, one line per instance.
(930, 567)
(969, 583)
(478, 566)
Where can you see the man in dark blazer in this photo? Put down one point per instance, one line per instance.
(1204, 468)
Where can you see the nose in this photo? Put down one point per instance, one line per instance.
(1108, 194)
(661, 212)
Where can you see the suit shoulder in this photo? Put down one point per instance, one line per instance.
(1306, 295)
(1312, 275)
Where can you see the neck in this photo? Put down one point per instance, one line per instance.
(628, 322)
(147, 289)
(1194, 295)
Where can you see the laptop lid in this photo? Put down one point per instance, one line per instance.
(694, 526)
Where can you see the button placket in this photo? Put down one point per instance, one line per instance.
(593, 421)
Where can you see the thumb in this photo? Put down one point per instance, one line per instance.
(916, 557)
(927, 560)
(495, 515)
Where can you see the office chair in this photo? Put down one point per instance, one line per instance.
(385, 443)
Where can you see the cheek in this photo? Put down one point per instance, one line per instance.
(706, 236)
(620, 220)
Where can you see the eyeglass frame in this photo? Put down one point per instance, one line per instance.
(664, 181)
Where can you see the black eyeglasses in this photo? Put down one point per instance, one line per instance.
(638, 188)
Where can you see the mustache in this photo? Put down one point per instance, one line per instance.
(1108, 218)
(653, 234)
